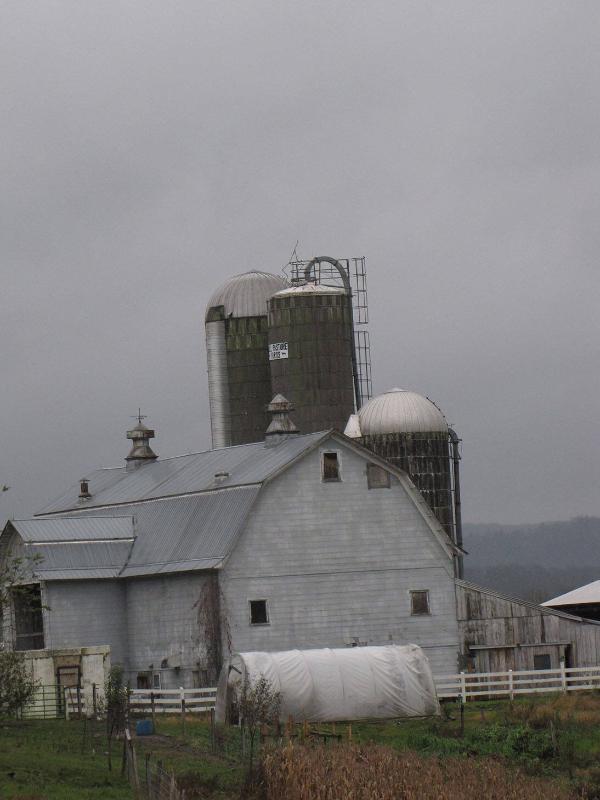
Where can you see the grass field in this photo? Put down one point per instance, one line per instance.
(43, 759)
(553, 738)
(540, 747)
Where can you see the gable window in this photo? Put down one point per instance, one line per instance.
(542, 661)
(377, 477)
(419, 602)
(330, 466)
(259, 613)
(29, 623)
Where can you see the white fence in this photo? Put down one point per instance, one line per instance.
(463, 685)
(172, 701)
(511, 684)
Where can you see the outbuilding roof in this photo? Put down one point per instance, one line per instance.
(590, 593)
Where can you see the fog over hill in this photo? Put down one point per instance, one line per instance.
(535, 562)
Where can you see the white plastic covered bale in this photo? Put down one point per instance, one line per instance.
(342, 684)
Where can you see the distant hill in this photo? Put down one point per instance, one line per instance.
(534, 562)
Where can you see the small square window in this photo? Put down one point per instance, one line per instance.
(542, 661)
(331, 467)
(419, 602)
(377, 477)
(259, 614)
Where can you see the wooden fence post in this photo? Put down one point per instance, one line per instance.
(153, 708)
(463, 687)
(563, 676)
(182, 694)
(511, 689)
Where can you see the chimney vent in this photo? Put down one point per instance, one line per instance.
(141, 452)
(84, 489)
(221, 476)
(281, 426)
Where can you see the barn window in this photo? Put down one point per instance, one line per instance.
(29, 624)
(142, 680)
(419, 602)
(330, 467)
(259, 613)
(542, 661)
(377, 477)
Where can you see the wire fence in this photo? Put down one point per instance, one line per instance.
(147, 776)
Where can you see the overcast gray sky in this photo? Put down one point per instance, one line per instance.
(152, 149)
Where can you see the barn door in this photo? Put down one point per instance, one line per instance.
(68, 680)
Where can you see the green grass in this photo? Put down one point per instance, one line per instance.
(555, 735)
(43, 760)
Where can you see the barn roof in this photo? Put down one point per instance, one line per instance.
(242, 465)
(172, 515)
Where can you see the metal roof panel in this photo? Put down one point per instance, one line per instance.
(245, 464)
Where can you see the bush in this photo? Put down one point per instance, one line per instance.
(17, 686)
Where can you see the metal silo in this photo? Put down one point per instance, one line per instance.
(411, 432)
(239, 381)
(311, 351)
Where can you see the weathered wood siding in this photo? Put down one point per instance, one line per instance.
(515, 631)
(336, 563)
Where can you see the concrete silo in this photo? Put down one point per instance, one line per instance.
(311, 351)
(411, 432)
(239, 380)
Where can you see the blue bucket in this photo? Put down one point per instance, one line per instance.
(144, 728)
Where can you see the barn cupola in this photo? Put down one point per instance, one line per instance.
(281, 426)
(141, 452)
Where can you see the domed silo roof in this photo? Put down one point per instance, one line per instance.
(400, 411)
(246, 295)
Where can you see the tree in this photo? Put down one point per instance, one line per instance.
(17, 686)
(116, 699)
(259, 705)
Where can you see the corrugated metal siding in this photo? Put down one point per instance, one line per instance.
(246, 464)
(171, 535)
(80, 560)
(59, 529)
